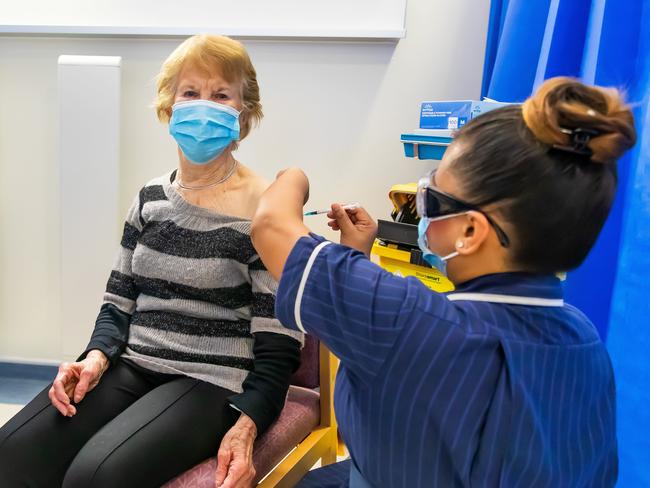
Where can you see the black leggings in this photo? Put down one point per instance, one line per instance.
(137, 428)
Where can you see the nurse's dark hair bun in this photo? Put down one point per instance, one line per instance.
(573, 117)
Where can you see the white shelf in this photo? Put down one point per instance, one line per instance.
(288, 19)
(161, 31)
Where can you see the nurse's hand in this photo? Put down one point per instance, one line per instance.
(358, 229)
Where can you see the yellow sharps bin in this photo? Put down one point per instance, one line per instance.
(396, 247)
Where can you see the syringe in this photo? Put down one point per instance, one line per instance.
(349, 206)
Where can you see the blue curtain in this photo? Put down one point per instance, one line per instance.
(629, 336)
(605, 42)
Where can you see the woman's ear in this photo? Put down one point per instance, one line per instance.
(243, 122)
(475, 231)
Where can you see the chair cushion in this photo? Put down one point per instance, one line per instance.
(307, 374)
(300, 415)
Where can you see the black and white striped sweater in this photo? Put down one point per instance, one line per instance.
(193, 298)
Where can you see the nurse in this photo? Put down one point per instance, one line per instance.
(499, 383)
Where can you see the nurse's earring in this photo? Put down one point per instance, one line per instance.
(460, 244)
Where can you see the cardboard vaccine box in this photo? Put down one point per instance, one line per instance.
(454, 114)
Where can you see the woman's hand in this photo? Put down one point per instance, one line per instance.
(235, 458)
(358, 229)
(74, 380)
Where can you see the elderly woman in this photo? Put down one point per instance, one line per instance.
(186, 359)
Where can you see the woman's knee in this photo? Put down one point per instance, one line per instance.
(83, 472)
(79, 475)
(98, 468)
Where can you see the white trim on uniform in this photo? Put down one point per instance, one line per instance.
(303, 282)
(511, 299)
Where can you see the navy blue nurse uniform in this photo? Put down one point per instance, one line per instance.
(499, 383)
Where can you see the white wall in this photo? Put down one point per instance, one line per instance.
(336, 109)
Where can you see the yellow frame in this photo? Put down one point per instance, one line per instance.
(323, 443)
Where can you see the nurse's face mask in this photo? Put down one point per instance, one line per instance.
(433, 204)
(203, 129)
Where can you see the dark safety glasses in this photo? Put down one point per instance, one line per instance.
(434, 204)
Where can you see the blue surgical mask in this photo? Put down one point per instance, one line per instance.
(434, 260)
(203, 129)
